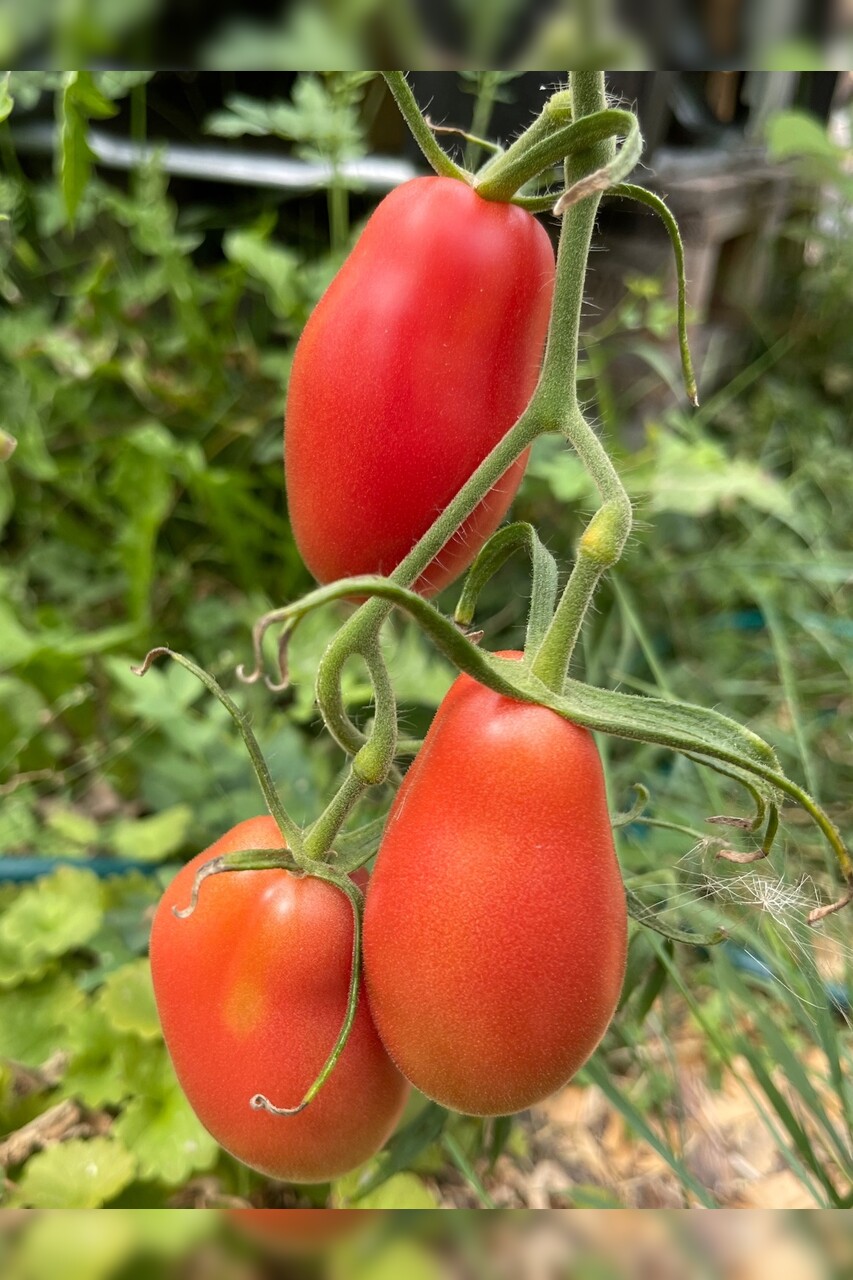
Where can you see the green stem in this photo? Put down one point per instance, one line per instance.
(259, 1102)
(556, 115)
(629, 191)
(420, 130)
(521, 162)
(483, 107)
(241, 860)
(291, 833)
(606, 534)
(321, 834)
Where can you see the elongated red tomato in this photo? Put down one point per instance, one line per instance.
(251, 990)
(421, 354)
(495, 924)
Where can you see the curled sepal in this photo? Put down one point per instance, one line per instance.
(259, 1101)
(529, 156)
(446, 636)
(492, 557)
(637, 808)
(740, 858)
(242, 860)
(600, 180)
(755, 855)
(820, 913)
(290, 831)
(282, 681)
(644, 915)
(630, 191)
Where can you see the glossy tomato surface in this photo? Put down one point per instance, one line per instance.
(495, 923)
(422, 353)
(252, 990)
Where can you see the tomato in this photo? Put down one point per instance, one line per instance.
(495, 924)
(421, 354)
(300, 1230)
(251, 990)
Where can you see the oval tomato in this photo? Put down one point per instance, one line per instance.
(300, 1230)
(495, 924)
(421, 354)
(251, 990)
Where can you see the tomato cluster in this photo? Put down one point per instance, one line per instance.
(495, 924)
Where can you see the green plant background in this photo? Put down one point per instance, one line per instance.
(144, 352)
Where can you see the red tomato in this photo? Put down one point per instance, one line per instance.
(495, 925)
(419, 357)
(251, 990)
(300, 1230)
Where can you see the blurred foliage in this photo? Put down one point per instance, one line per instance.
(144, 353)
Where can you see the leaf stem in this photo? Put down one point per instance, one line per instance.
(420, 129)
(630, 191)
(291, 833)
(259, 1102)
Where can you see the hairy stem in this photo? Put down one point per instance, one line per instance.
(420, 130)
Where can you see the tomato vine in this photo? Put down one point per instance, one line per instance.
(578, 129)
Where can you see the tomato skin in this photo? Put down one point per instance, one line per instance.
(495, 924)
(419, 357)
(251, 990)
(300, 1230)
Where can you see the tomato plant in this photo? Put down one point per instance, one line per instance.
(495, 923)
(251, 990)
(419, 357)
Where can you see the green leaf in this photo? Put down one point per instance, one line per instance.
(399, 1153)
(116, 84)
(695, 477)
(88, 96)
(276, 269)
(492, 557)
(171, 1233)
(564, 473)
(16, 644)
(79, 1174)
(127, 1001)
(797, 133)
(305, 37)
(75, 1246)
(399, 1257)
(7, 102)
(73, 826)
(167, 1140)
(36, 1019)
(75, 155)
(403, 1191)
(108, 1066)
(57, 915)
(153, 839)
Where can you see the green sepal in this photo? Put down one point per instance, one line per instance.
(492, 557)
